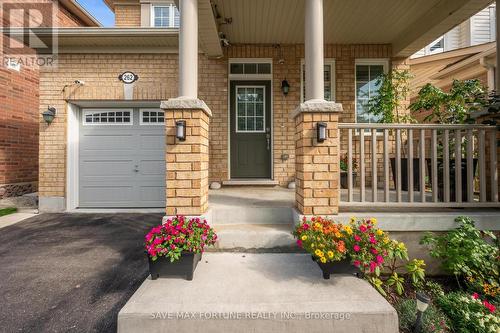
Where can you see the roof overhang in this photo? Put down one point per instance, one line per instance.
(105, 40)
(468, 62)
(76, 9)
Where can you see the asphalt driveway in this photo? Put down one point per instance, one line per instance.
(70, 272)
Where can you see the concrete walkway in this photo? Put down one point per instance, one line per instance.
(235, 292)
(14, 218)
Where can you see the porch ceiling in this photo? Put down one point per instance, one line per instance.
(407, 24)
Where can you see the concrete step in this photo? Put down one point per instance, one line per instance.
(250, 182)
(255, 237)
(235, 292)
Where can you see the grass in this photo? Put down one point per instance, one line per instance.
(7, 211)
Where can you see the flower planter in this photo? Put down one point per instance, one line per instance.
(464, 169)
(185, 266)
(343, 179)
(343, 266)
(404, 173)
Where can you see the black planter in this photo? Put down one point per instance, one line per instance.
(185, 266)
(343, 179)
(452, 178)
(404, 173)
(343, 266)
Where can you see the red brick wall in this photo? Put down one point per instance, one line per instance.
(19, 120)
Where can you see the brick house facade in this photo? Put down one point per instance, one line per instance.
(19, 116)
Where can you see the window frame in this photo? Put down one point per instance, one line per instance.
(366, 61)
(141, 111)
(171, 15)
(85, 112)
(333, 87)
(263, 105)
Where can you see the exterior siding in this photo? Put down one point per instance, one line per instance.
(127, 15)
(158, 75)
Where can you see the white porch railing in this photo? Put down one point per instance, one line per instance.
(419, 165)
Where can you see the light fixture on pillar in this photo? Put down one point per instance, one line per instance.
(422, 304)
(49, 114)
(285, 87)
(180, 130)
(321, 131)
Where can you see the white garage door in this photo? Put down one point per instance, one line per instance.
(122, 158)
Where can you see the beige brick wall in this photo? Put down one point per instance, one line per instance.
(127, 15)
(187, 163)
(158, 75)
(317, 164)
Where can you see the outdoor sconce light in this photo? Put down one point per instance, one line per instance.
(49, 115)
(321, 131)
(180, 130)
(422, 304)
(285, 87)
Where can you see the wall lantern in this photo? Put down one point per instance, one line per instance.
(49, 114)
(422, 304)
(285, 87)
(321, 131)
(180, 130)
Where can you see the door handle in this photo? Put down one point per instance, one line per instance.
(136, 168)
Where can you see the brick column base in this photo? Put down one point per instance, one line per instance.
(186, 161)
(317, 163)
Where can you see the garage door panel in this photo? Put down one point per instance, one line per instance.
(122, 165)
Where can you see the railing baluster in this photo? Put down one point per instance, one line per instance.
(362, 163)
(493, 167)
(410, 165)
(374, 165)
(470, 168)
(434, 172)
(482, 167)
(422, 165)
(386, 166)
(349, 165)
(458, 166)
(398, 165)
(446, 166)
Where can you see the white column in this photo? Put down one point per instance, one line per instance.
(314, 50)
(188, 49)
(497, 15)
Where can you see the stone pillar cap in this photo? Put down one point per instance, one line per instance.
(316, 105)
(185, 103)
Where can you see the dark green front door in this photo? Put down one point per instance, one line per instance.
(250, 112)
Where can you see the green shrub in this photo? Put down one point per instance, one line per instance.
(469, 254)
(7, 211)
(433, 320)
(468, 314)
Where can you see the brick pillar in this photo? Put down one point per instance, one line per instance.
(187, 161)
(317, 163)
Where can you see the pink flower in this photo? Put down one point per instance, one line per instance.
(362, 228)
(357, 238)
(305, 226)
(373, 265)
(356, 263)
(356, 248)
(380, 259)
(299, 242)
(475, 295)
(373, 240)
(489, 306)
(374, 251)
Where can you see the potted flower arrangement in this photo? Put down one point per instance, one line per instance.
(324, 240)
(176, 247)
(344, 166)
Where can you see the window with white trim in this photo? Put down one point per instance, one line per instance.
(152, 117)
(107, 117)
(329, 77)
(367, 73)
(250, 113)
(165, 16)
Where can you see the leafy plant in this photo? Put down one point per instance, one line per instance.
(178, 235)
(433, 320)
(470, 254)
(344, 163)
(321, 238)
(7, 211)
(393, 90)
(468, 314)
(453, 107)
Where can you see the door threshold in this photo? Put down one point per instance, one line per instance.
(250, 182)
